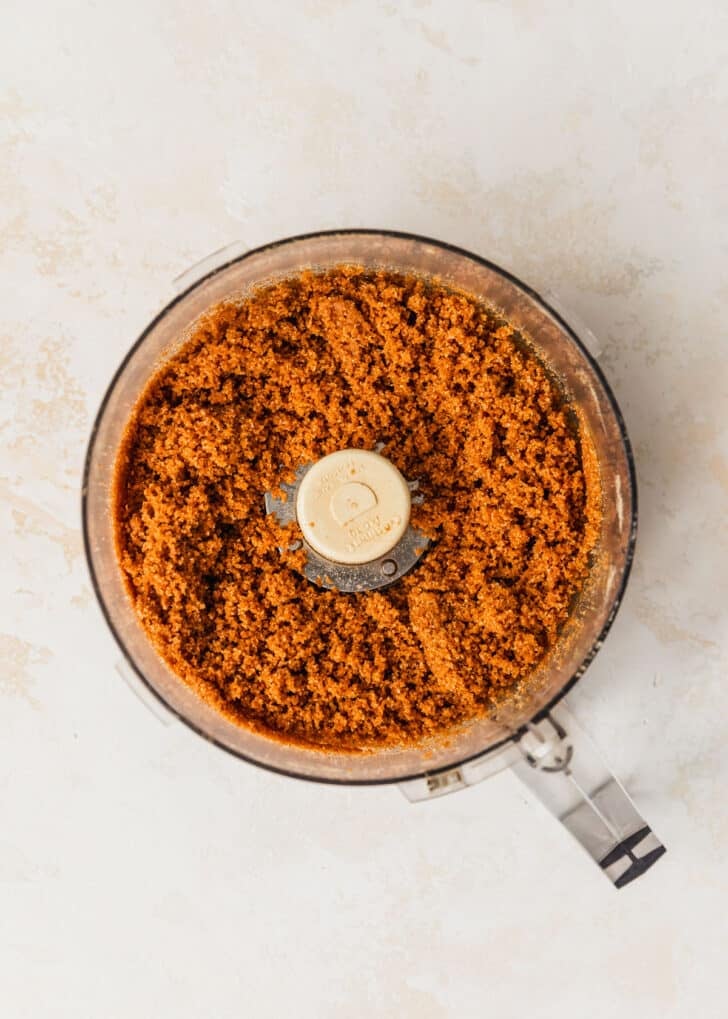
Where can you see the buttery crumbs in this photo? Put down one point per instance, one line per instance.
(350, 358)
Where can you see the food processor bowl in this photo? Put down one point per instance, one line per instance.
(498, 738)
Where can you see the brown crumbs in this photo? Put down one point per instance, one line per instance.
(321, 362)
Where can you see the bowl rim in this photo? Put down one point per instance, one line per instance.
(586, 354)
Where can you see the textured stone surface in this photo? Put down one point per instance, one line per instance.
(145, 873)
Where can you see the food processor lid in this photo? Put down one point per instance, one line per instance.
(560, 350)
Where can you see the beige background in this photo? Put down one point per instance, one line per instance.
(142, 872)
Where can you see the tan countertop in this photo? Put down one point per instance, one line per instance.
(143, 872)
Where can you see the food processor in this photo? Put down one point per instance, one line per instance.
(533, 732)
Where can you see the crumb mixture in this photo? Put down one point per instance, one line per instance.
(328, 361)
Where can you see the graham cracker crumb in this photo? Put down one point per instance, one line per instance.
(347, 359)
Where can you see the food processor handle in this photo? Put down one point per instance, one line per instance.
(561, 765)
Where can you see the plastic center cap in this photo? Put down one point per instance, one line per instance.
(353, 506)
(350, 501)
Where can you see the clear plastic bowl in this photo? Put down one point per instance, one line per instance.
(556, 344)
